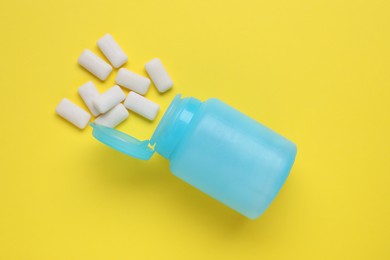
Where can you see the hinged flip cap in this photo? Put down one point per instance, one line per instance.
(122, 142)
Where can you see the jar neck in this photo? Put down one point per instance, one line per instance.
(174, 124)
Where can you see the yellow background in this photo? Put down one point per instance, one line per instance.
(318, 72)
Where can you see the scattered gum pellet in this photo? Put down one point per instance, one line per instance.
(113, 117)
(112, 51)
(141, 105)
(159, 75)
(132, 81)
(88, 93)
(73, 113)
(98, 67)
(109, 99)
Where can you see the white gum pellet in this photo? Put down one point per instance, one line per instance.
(73, 113)
(91, 62)
(109, 99)
(132, 81)
(112, 51)
(88, 93)
(113, 117)
(141, 105)
(159, 75)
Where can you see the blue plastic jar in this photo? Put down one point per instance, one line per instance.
(218, 150)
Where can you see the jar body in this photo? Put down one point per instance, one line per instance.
(232, 158)
(217, 149)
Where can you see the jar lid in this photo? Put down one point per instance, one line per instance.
(122, 142)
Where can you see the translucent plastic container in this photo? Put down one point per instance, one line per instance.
(216, 149)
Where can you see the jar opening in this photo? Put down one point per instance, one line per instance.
(173, 125)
